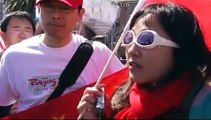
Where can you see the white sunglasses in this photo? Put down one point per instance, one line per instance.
(147, 39)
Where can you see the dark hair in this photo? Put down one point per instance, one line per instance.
(17, 14)
(184, 29)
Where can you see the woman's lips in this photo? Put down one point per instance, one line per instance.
(134, 65)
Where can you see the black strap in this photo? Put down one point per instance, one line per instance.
(73, 69)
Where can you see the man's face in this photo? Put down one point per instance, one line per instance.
(58, 19)
(18, 29)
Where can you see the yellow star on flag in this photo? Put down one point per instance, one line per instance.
(59, 118)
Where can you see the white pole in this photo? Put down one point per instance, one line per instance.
(138, 6)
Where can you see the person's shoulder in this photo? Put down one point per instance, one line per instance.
(32, 41)
(98, 44)
(201, 107)
(95, 44)
(203, 94)
(78, 38)
(23, 46)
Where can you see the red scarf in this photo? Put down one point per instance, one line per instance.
(151, 104)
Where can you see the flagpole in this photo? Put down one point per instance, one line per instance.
(137, 7)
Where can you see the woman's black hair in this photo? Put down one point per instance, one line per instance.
(183, 28)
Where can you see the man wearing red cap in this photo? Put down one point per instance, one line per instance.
(40, 60)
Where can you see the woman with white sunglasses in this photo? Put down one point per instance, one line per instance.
(168, 63)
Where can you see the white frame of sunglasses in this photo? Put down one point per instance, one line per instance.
(158, 40)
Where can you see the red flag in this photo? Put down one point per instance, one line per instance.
(65, 107)
(201, 9)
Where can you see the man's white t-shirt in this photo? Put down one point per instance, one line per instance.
(30, 70)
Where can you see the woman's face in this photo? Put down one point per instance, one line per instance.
(149, 65)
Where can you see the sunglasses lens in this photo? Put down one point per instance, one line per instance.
(145, 38)
(128, 38)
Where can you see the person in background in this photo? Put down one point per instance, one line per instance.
(168, 63)
(22, 80)
(17, 26)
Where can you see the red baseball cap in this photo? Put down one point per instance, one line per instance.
(71, 3)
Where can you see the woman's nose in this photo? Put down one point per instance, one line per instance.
(133, 50)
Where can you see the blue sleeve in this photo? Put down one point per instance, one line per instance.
(201, 108)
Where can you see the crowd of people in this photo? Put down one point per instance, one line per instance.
(167, 58)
